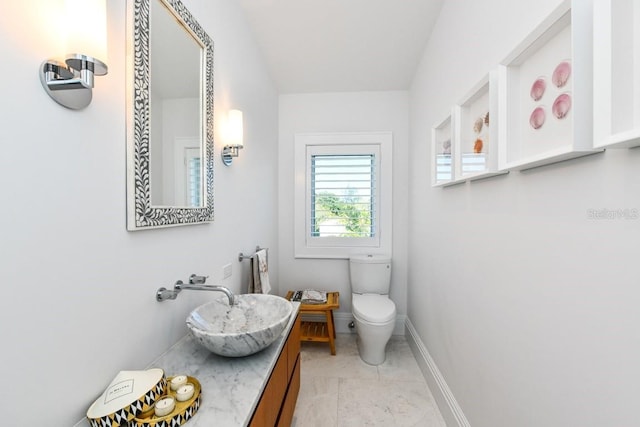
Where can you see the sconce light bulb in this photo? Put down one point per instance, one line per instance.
(235, 128)
(86, 28)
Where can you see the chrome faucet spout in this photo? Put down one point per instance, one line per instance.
(196, 283)
(215, 288)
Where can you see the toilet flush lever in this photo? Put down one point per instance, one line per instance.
(194, 279)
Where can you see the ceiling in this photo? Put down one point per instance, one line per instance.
(341, 45)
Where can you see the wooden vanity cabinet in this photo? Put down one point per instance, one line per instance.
(278, 400)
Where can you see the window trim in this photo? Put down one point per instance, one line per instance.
(306, 246)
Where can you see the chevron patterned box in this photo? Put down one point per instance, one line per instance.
(129, 394)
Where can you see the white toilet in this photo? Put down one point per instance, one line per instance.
(374, 312)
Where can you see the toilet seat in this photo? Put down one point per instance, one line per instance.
(373, 308)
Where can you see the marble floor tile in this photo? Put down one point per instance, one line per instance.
(344, 391)
(317, 361)
(317, 404)
(400, 364)
(386, 404)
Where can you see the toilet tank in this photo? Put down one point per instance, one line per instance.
(370, 274)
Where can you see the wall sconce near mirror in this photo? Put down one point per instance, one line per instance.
(70, 83)
(233, 137)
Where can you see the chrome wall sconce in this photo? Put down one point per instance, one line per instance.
(233, 137)
(70, 83)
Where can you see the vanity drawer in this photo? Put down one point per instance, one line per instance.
(266, 413)
(289, 405)
(280, 395)
(293, 347)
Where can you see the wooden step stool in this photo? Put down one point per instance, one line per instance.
(319, 331)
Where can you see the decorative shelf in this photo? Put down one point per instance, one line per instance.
(476, 134)
(443, 153)
(616, 73)
(545, 92)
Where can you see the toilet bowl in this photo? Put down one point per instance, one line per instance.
(374, 313)
(375, 317)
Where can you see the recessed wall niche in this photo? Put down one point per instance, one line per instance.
(616, 73)
(545, 92)
(476, 133)
(442, 153)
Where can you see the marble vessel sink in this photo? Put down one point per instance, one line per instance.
(250, 325)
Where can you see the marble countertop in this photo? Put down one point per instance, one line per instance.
(231, 387)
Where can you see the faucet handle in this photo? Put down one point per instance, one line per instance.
(194, 279)
(164, 294)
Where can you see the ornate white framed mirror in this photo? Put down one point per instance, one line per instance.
(169, 116)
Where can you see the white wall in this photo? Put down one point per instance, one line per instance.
(528, 307)
(78, 303)
(341, 112)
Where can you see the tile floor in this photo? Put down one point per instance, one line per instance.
(343, 391)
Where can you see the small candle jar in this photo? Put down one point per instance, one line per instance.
(185, 392)
(178, 381)
(164, 406)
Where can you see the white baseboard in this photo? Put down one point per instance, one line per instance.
(342, 320)
(449, 408)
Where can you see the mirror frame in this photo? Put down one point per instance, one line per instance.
(140, 212)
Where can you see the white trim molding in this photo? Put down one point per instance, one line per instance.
(449, 408)
(308, 144)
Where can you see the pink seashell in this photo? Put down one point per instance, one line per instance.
(537, 118)
(561, 106)
(561, 74)
(537, 89)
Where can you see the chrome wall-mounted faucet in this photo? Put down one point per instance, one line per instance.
(196, 283)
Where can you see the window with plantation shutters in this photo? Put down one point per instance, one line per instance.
(343, 204)
(343, 199)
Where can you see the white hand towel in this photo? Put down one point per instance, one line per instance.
(264, 271)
